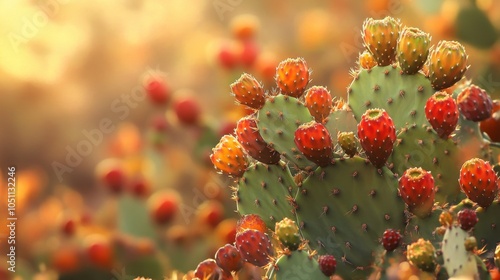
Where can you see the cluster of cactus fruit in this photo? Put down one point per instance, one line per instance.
(399, 172)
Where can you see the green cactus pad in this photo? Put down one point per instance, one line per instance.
(424, 228)
(402, 96)
(487, 229)
(277, 122)
(297, 266)
(420, 146)
(343, 210)
(263, 190)
(457, 260)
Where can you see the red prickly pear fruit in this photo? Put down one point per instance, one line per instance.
(447, 64)
(413, 49)
(158, 91)
(226, 231)
(366, 60)
(380, 37)
(248, 91)
(229, 157)
(315, 142)
(140, 187)
(254, 246)
(490, 126)
(65, 260)
(391, 239)
(111, 173)
(251, 221)
(292, 76)
(208, 270)
(377, 134)
(68, 226)
(249, 53)
(478, 181)
(327, 264)
(348, 142)
(249, 136)
(163, 206)
(318, 101)
(229, 258)
(467, 218)
(442, 113)
(99, 252)
(188, 111)
(417, 189)
(228, 55)
(475, 103)
(210, 212)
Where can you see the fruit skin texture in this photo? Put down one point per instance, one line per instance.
(447, 64)
(254, 246)
(478, 181)
(208, 270)
(381, 38)
(248, 91)
(416, 188)
(391, 239)
(467, 218)
(315, 142)
(228, 258)
(413, 49)
(292, 76)
(319, 102)
(249, 136)
(366, 60)
(327, 264)
(348, 142)
(251, 221)
(490, 126)
(422, 255)
(442, 113)
(475, 103)
(377, 134)
(229, 157)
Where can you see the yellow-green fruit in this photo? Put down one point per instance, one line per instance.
(413, 49)
(288, 233)
(447, 64)
(381, 38)
(422, 255)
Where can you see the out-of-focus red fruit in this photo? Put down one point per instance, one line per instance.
(495, 274)
(100, 253)
(140, 187)
(226, 231)
(210, 212)
(66, 259)
(227, 128)
(249, 53)
(228, 55)
(188, 111)
(265, 66)
(159, 123)
(251, 221)
(157, 90)
(112, 174)
(68, 227)
(244, 27)
(491, 125)
(163, 206)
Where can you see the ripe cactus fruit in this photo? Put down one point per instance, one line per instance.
(366, 60)
(475, 103)
(157, 90)
(315, 142)
(248, 91)
(348, 142)
(208, 270)
(422, 254)
(254, 246)
(288, 233)
(447, 64)
(249, 136)
(467, 218)
(327, 264)
(442, 113)
(391, 239)
(416, 188)
(381, 38)
(478, 181)
(318, 101)
(377, 135)
(251, 221)
(229, 157)
(413, 49)
(292, 76)
(446, 218)
(490, 125)
(228, 258)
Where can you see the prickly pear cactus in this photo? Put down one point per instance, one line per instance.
(337, 187)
